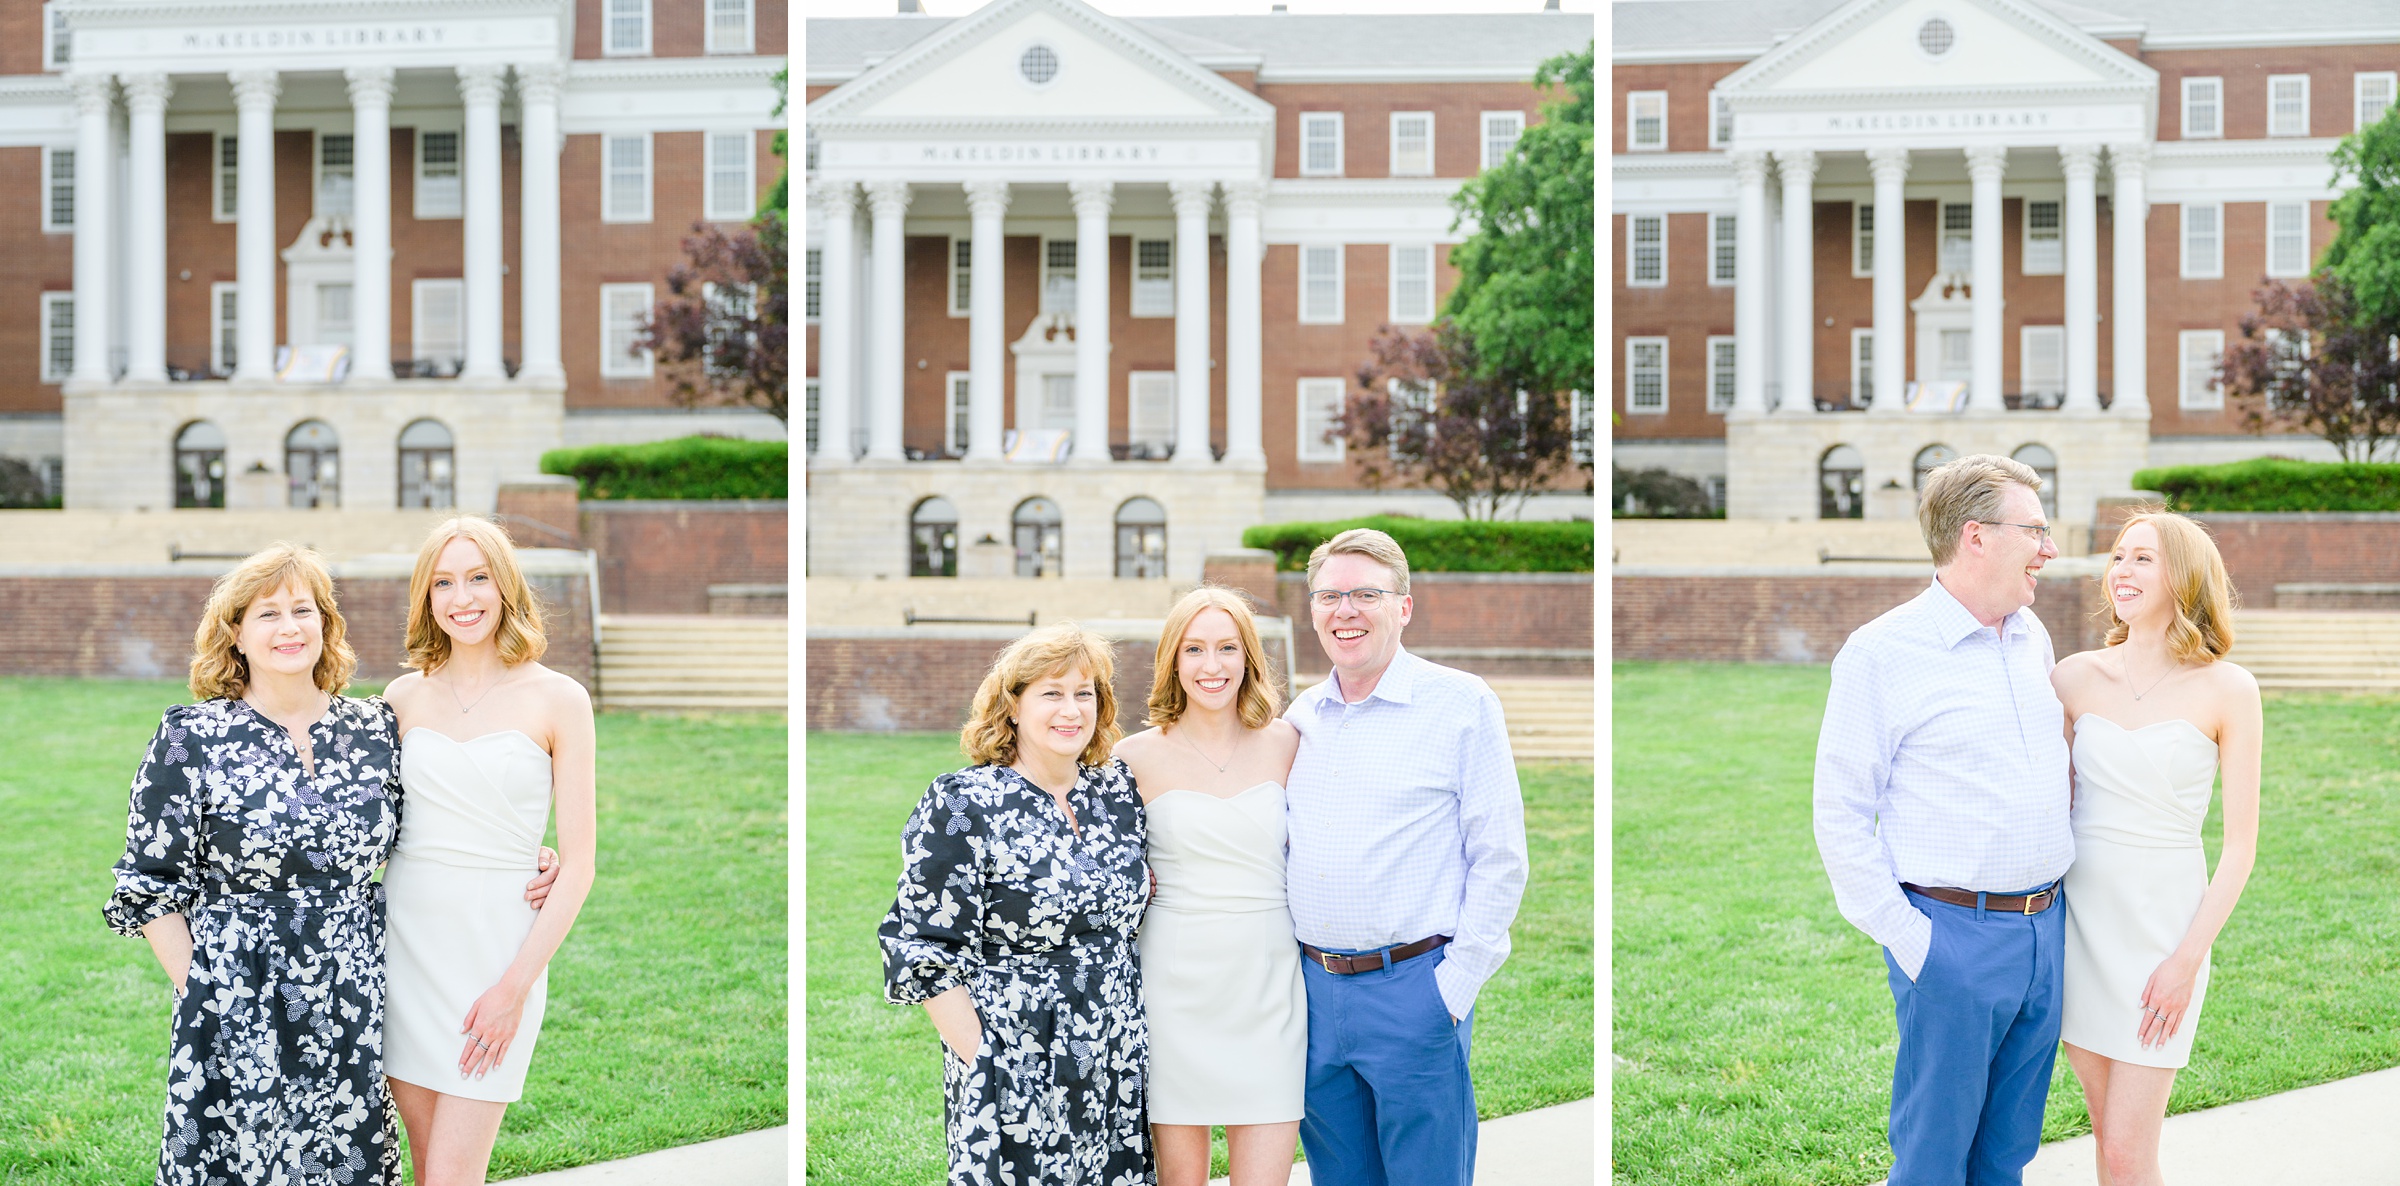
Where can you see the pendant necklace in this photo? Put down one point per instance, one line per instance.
(1221, 766)
(2126, 665)
(465, 708)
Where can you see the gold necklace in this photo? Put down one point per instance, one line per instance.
(2126, 664)
(1221, 766)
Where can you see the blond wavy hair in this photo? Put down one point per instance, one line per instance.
(218, 668)
(519, 634)
(2202, 631)
(1260, 698)
(990, 736)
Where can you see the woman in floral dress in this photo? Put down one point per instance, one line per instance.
(258, 819)
(1013, 926)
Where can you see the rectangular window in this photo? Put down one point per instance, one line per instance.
(2045, 250)
(1412, 144)
(2287, 105)
(1058, 275)
(1412, 283)
(1150, 413)
(57, 42)
(812, 390)
(224, 326)
(438, 192)
(2287, 238)
(1320, 407)
(335, 176)
(1723, 256)
(58, 336)
(437, 330)
(1862, 240)
(1500, 132)
(1320, 284)
(58, 187)
(2373, 95)
(1862, 367)
(729, 24)
(625, 27)
(1721, 354)
(625, 196)
(2203, 108)
(1958, 237)
(962, 277)
(1320, 143)
(1412, 404)
(333, 314)
(2196, 384)
(623, 307)
(1645, 250)
(1153, 277)
(2042, 364)
(227, 178)
(1645, 376)
(1646, 121)
(815, 265)
(2203, 242)
(1720, 123)
(732, 195)
(960, 386)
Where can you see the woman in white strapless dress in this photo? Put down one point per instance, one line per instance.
(2152, 718)
(1220, 969)
(489, 739)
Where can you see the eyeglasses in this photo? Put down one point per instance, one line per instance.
(2040, 531)
(1363, 599)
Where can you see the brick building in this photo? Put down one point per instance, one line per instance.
(1085, 291)
(1856, 238)
(222, 297)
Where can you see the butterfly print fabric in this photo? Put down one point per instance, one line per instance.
(275, 1067)
(999, 895)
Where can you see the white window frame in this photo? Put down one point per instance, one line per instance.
(50, 47)
(812, 268)
(1942, 236)
(2184, 341)
(417, 343)
(713, 201)
(612, 364)
(427, 211)
(1394, 158)
(2212, 268)
(1400, 314)
(1633, 119)
(1042, 293)
(2390, 82)
(2026, 336)
(2026, 264)
(1321, 120)
(608, 45)
(1317, 449)
(218, 173)
(1339, 252)
(1722, 246)
(960, 298)
(1138, 433)
(1720, 121)
(218, 291)
(2274, 80)
(1630, 345)
(1134, 288)
(2287, 267)
(1633, 224)
(316, 170)
(1484, 142)
(608, 145)
(749, 27)
(2216, 103)
(1862, 241)
(814, 394)
(1862, 361)
(49, 183)
(952, 422)
(50, 302)
(1723, 357)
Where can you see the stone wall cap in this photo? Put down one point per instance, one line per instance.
(686, 504)
(1113, 629)
(1851, 570)
(1478, 578)
(2295, 516)
(1242, 555)
(2330, 587)
(538, 482)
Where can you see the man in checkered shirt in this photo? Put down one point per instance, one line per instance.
(1404, 865)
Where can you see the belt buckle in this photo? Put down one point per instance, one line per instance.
(2028, 903)
(1325, 960)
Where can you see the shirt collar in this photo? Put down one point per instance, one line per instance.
(1953, 622)
(1398, 683)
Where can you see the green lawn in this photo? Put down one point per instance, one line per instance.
(874, 1073)
(667, 1004)
(1753, 1030)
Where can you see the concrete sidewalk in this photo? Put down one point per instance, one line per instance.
(761, 1158)
(1545, 1147)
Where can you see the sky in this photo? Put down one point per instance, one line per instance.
(955, 8)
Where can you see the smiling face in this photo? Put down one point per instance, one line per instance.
(1057, 713)
(281, 633)
(2139, 585)
(1361, 643)
(2013, 556)
(1210, 662)
(464, 598)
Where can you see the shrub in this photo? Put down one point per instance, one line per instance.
(1443, 545)
(2276, 484)
(686, 468)
(1658, 494)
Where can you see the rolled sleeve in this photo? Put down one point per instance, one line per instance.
(159, 874)
(1491, 817)
(933, 937)
(1855, 746)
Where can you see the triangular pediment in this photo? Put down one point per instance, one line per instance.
(1992, 45)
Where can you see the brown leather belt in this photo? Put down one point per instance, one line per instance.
(1373, 961)
(2033, 903)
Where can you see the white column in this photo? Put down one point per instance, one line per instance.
(371, 222)
(1092, 198)
(1192, 200)
(146, 226)
(480, 87)
(886, 319)
(538, 84)
(2081, 163)
(1798, 168)
(1750, 283)
(95, 94)
(1244, 309)
(2130, 279)
(837, 212)
(254, 94)
(987, 329)
(1984, 167)
(1890, 169)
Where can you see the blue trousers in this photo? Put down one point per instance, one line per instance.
(1978, 1035)
(1389, 1101)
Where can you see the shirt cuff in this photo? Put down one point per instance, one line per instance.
(1457, 987)
(1910, 947)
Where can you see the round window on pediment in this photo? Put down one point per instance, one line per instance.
(1038, 64)
(1936, 37)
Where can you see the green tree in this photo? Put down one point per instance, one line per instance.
(779, 199)
(1524, 293)
(2365, 254)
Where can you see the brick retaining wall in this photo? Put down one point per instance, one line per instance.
(2265, 550)
(662, 557)
(880, 680)
(1793, 616)
(1490, 623)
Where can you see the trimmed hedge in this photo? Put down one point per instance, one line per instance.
(685, 468)
(1443, 545)
(2276, 484)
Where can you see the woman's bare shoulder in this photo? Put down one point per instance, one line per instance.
(1282, 734)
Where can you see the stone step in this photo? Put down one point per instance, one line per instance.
(695, 663)
(705, 703)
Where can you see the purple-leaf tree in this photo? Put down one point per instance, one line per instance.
(720, 334)
(2309, 357)
(1421, 413)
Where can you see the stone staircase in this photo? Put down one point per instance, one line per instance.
(1549, 717)
(703, 663)
(2304, 649)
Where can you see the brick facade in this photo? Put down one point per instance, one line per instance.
(1794, 616)
(2264, 551)
(662, 557)
(1492, 624)
(884, 681)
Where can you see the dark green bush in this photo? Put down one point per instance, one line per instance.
(1443, 545)
(685, 468)
(2276, 484)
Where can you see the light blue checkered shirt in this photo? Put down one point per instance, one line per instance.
(1406, 821)
(1942, 761)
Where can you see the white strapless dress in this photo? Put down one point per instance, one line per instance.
(2141, 796)
(1220, 970)
(471, 822)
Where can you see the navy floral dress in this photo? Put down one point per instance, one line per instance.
(999, 894)
(275, 1071)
